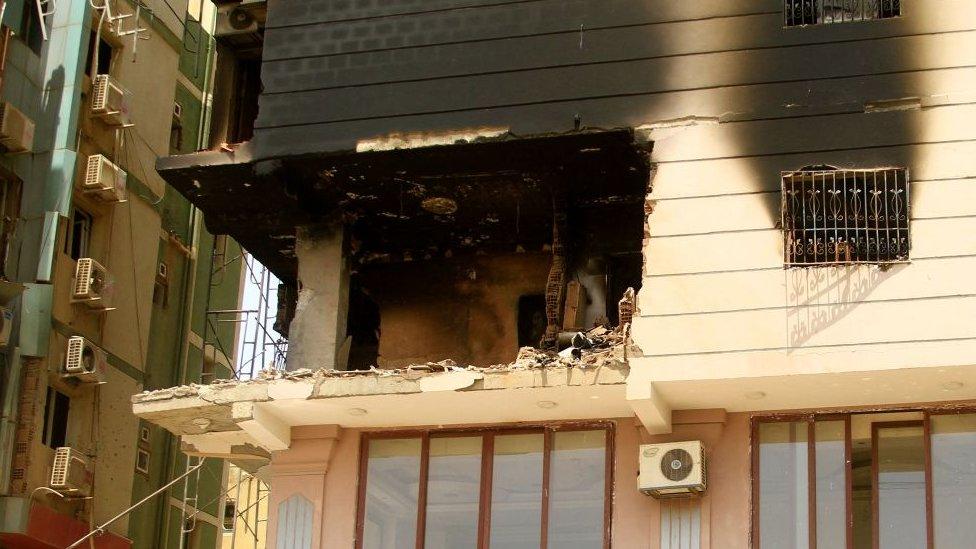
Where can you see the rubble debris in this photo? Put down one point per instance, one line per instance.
(590, 349)
(556, 281)
(626, 308)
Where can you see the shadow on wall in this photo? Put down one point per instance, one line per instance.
(819, 297)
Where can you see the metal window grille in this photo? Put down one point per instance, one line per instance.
(812, 12)
(833, 216)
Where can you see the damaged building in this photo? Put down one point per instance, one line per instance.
(543, 261)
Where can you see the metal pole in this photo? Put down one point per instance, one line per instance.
(101, 529)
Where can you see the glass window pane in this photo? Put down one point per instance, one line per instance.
(954, 479)
(577, 488)
(783, 486)
(901, 487)
(392, 485)
(516, 492)
(831, 465)
(453, 493)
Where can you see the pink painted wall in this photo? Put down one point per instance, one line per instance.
(636, 518)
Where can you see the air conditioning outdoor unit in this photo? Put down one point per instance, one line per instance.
(16, 130)
(70, 475)
(90, 284)
(6, 325)
(84, 362)
(672, 469)
(104, 179)
(235, 20)
(110, 101)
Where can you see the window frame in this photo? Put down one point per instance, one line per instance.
(810, 418)
(487, 457)
(817, 6)
(792, 207)
(86, 219)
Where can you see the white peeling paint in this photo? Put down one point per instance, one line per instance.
(284, 389)
(449, 381)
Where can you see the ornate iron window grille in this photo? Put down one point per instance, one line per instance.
(813, 12)
(833, 217)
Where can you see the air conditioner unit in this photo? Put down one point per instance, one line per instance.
(236, 19)
(84, 362)
(110, 101)
(672, 469)
(104, 179)
(70, 475)
(90, 284)
(6, 325)
(16, 130)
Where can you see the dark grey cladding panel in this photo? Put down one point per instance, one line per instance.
(336, 71)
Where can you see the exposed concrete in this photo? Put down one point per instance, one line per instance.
(319, 327)
(248, 420)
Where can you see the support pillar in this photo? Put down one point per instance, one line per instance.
(317, 335)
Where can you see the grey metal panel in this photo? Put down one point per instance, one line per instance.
(570, 47)
(295, 523)
(594, 81)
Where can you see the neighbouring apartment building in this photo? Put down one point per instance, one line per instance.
(594, 273)
(106, 270)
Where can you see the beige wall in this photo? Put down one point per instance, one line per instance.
(325, 470)
(125, 239)
(715, 290)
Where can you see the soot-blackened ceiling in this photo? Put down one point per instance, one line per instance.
(412, 204)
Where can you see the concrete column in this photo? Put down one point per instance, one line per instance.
(296, 510)
(317, 334)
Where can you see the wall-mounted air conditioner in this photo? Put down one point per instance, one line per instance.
(6, 325)
(84, 361)
(90, 284)
(672, 469)
(16, 130)
(70, 475)
(110, 101)
(104, 179)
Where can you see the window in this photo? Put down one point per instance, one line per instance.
(230, 515)
(55, 418)
(10, 210)
(832, 216)
(103, 54)
(79, 234)
(895, 480)
(142, 461)
(510, 489)
(30, 28)
(812, 12)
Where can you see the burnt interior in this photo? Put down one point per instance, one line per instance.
(455, 243)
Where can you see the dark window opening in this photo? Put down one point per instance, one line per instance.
(531, 319)
(78, 239)
(833, 216)
(10, 210)
(363, 326)
(230, 515)
(623, 272)
(812, 12)
(55, 418)
(244, 104)
(142, 461)
(104, 56)
(30, 28)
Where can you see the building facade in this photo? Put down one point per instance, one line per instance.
(107, 270)
(533, 244)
